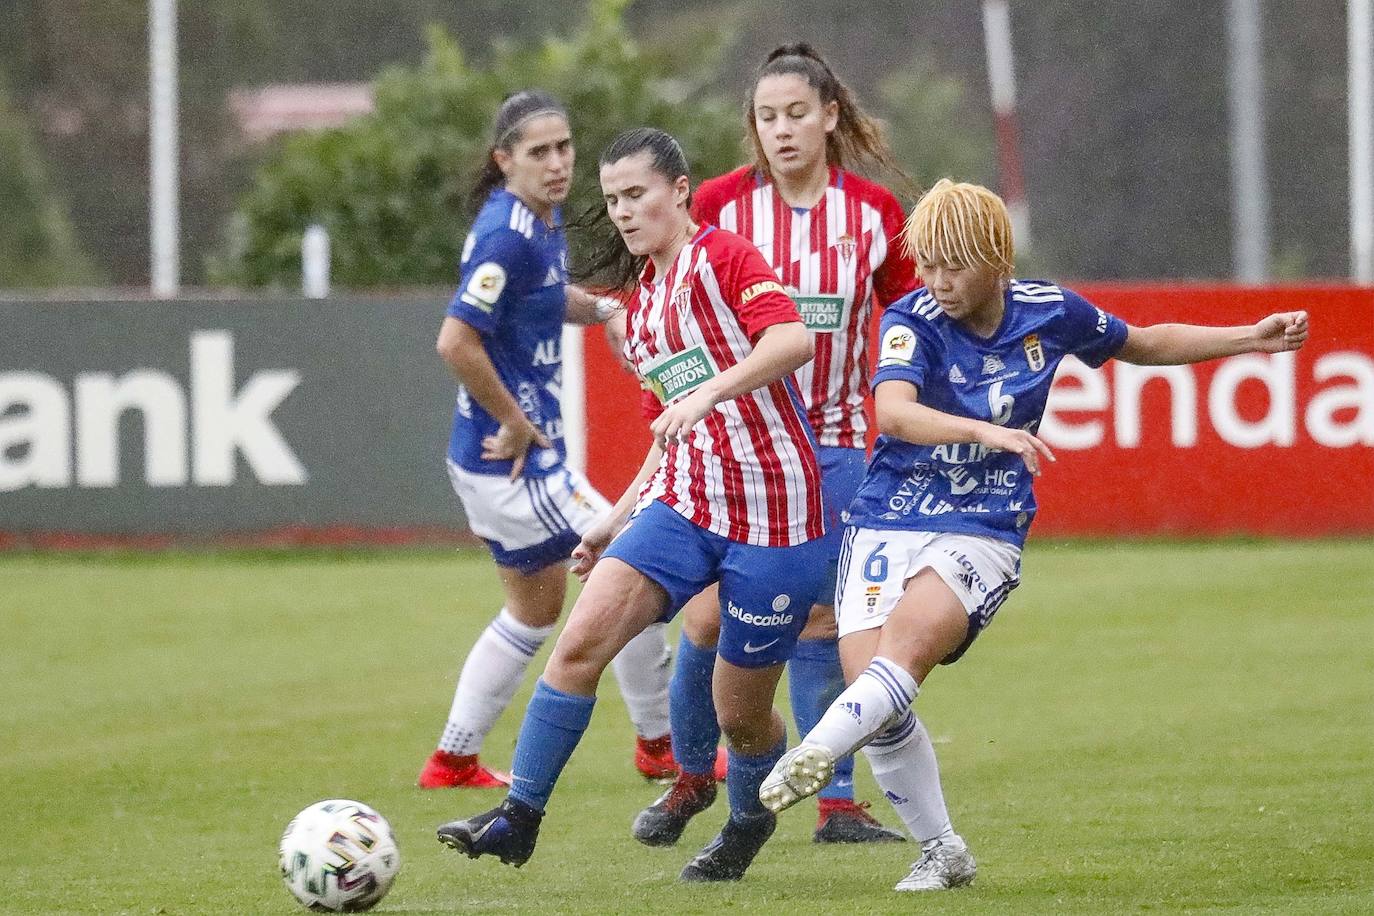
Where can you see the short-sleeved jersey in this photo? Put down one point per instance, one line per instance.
(748, 471)
(1003, 379)
(835, 260)
(511, 289)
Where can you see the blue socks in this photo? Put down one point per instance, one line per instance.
(814, 680)
(553, 725)
(745, 776)
(692, 710)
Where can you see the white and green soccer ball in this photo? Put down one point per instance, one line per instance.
(339, 856)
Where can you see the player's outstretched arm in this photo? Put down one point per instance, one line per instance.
(780, 350)
(900, 414)
(1176, 344)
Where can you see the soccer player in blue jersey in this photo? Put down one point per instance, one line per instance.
(935, 535)
(506, 457)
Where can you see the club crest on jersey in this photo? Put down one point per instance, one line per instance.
(992, 365)
(846, 246)
(956, 376)
(1035, 354)
(682, 297)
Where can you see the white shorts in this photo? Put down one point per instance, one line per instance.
(528, 523)
(875, 566)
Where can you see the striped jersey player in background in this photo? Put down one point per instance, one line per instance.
(729, 493)
(506, 457)
(935, 536)
(830, 236)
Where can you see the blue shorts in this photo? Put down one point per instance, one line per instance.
(766, 593)
(842, 471)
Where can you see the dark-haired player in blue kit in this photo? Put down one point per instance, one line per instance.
(935, 535)
(502, 337)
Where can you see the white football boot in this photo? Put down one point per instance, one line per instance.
(941, 866)
(799, 773)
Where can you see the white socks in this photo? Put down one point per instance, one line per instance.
(903, 763)
(881, 694)
(496, 666)
(492, 673)
(874, 713)
(642, 669)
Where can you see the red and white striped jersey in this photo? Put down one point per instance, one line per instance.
(835, 260)
(747, 471)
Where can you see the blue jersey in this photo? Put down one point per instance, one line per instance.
(511, 289)
(1003, 379)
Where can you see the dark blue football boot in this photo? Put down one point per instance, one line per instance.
(728, 856)
(507, 831)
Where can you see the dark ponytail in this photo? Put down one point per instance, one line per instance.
(608, 262)
(857, 142)
(507, 128)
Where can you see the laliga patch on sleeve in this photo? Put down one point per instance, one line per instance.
(485, 285)
(899, 346)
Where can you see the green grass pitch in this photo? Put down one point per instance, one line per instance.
(1145, 728)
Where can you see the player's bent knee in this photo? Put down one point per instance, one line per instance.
(750, 728)
(748, 735)
(576, 666)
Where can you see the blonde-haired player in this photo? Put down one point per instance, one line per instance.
(934, 542)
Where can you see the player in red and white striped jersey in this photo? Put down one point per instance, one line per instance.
(836, 258)
(832, 239)
(748, 473)
(729, 494)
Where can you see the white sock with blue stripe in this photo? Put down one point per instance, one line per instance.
(903, 763)
(880, 694)
(491, 675)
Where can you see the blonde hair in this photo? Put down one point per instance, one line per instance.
(963, 223)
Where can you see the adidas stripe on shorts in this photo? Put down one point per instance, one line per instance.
(875, 566)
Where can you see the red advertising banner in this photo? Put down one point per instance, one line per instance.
(1277, 445)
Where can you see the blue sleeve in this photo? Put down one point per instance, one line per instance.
(1088, 332)
(491, 276)
(902, 355)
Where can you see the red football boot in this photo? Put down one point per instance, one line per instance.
(460, 771)
(654, 759)
(843, 821)
(722, 763)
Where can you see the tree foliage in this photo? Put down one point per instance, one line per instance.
(37, 245)
(1122, 108)
(390, 188)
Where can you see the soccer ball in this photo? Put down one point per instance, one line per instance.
(339, 856)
